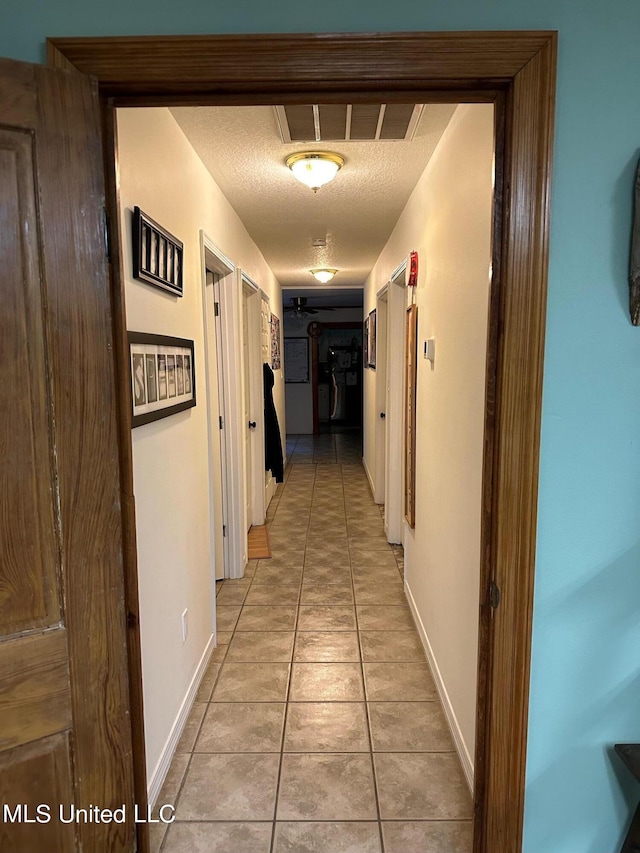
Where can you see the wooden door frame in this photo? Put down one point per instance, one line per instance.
(516, 72)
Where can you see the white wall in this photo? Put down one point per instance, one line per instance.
(299, 396)
(160, 172)
(448, 221)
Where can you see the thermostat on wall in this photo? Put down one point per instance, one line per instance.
(430, 350)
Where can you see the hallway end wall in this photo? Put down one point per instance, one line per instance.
(160, 172)
(448, 221)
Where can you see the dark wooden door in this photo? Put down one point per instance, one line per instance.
(64, 728)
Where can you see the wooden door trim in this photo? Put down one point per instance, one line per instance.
(516, 71)
(161, 66)
(128, 504)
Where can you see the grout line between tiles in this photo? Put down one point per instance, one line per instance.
(332, 820)
(364, 688)
(286, 706)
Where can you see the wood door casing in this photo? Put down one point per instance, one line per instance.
(515, 71)
(64, 729)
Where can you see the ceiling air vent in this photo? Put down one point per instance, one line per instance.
(341, 122)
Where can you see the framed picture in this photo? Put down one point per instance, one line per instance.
(296, 360)
(411, 339)
(265, 329)
(163, 379)
(365, 341)
(157, 255)
(276, 360)
(371, 340)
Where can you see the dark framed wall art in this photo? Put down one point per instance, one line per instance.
(365, 341)
(371, 339)
(157, 254)
(163, 376)
(276, 360)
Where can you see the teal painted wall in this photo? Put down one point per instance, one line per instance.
(585, 688)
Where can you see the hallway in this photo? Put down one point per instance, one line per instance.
(337, 446)
(317, 728)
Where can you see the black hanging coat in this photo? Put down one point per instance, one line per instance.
(272, 442)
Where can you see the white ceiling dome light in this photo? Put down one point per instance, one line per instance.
(315, 168)
(323, 275)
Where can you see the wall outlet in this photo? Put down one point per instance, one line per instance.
(185, 625)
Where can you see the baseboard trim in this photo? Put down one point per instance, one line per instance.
(369, 478)
(162, 767)
(269, 492)
(461, 749)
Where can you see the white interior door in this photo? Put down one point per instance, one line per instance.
(215, 402)
(227, 316)
(218, 282)
(381, 397)
(394, 410)
(219, 454)
(246, 398)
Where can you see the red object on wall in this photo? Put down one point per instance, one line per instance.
(413, 269)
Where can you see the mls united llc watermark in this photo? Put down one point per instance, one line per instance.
(44, 813)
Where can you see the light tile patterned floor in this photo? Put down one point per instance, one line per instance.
(317, 728)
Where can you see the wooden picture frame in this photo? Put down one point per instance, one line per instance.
(157, 254)
(274, 326)
(371, 339)
(365, 342)
(163, 377)
(411, 375)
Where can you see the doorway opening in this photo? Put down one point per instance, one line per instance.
(382, 396)
(390, 397)
(337, 380)
(216, 269)
(521, 83)
(257, 479)
(330, 398)
(337, 347)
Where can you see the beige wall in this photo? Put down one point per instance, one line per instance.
(448, 221)
(160, 173)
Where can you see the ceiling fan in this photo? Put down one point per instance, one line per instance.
(299, 308)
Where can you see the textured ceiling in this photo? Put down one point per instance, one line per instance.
(355, 213)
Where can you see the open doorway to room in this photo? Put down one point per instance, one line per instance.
(330, 542)
(339, 388)
(218, 475)
(332, 320)
(524, 118)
